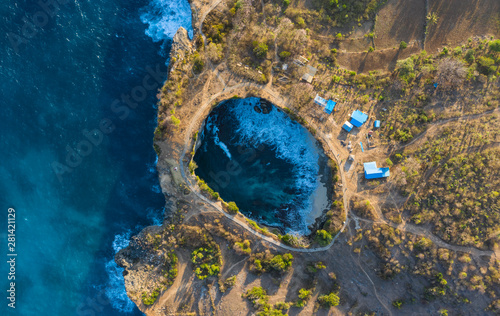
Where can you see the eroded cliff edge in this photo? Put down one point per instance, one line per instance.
(202, 259)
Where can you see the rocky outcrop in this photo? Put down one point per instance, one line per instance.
(181, 45)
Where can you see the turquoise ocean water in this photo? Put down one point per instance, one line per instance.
(77, 98)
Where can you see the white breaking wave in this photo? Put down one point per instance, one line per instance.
(210, 126)
(290, 141)
(164, 17)
(115, 289)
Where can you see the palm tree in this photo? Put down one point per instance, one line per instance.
(432, 18)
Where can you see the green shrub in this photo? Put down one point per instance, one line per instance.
(207, 261)
(398, 303)
(486, 65)
(198, 63)
(257, 295)
(175, 121)
(284, 54)
(282, 306)
(243, 247)
(329, 300)
(403, 45)
(495, 46)
(281, 263)
(192, 166)
(300, 21)
(260, 49)
(304, 294)
(323, 237)
(150, 299)
(286, 3)
(232, 208)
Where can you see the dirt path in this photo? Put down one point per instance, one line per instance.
(375, 292)
(434, 125)
(280, 102)
(200, 27)
(195, 120)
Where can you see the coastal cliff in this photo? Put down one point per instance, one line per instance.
(206, 260)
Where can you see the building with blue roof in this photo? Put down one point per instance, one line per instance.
(372, 172)
(330, 105)
(347, 126)
(358, 118)
(376, 124)
(319, 100)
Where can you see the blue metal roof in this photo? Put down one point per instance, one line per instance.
(347, 126)
(358, 118)
(376, 124)
(330, 105)
(372, 172)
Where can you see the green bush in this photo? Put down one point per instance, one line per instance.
(329, 300)
(207, 261)
(198, 63)
(495, 46)
(282, 306)
(398, 303)
(243, 247)
(486, 65)
(150, 299)
(304, 294)
(286, 3)
(284, 54)
(281, 263)
(175, 121)
(323, 237)
(403, 45)
(260, 49)
(232, 208)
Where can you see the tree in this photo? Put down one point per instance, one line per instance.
(198, 63)
(329, 300)
(284, 54)
(451, 72)
(260, 49)
(323, 237)
(176, 121)
(486, 65)
(304, 294)
(232, 208)
(432, 18)
(495, 46)
(403, 45)
(214, 52)
(469, 56)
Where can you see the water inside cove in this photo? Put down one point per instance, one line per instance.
(252, 153)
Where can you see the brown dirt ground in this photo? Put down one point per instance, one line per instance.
(385, 59)
(399, 21)
(461, 19)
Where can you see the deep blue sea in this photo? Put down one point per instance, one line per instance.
(77, 115)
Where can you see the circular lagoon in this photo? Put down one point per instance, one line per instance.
(252, 153)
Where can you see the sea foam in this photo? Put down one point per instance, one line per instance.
(164, 17)
(115, 288)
